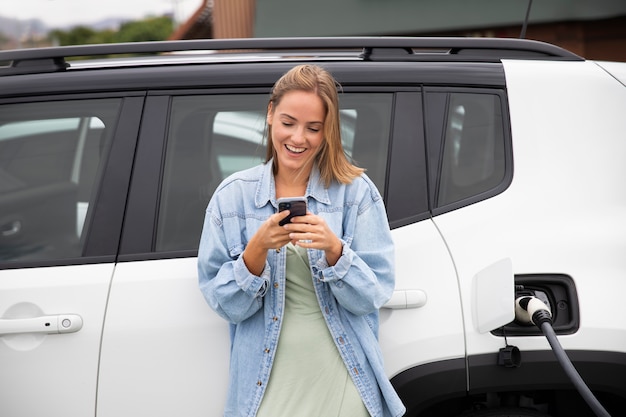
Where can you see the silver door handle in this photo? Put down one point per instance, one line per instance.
(62, 323)
(11, 228)
(406, 299)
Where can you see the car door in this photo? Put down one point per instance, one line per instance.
(63, 180)
(472, 165)
(164, 351)
(421, 328)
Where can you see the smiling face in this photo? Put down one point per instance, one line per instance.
(297, 132)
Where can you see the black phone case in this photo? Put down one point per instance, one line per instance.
(296, 208)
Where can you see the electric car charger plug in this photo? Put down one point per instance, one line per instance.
(530, 309)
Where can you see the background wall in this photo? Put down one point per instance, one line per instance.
(595, 29)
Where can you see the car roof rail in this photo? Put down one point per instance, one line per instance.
(52, 59)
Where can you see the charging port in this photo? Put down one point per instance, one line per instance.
(558, 292)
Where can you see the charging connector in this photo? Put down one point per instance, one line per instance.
(530, 309)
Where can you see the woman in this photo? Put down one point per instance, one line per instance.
(302, 298)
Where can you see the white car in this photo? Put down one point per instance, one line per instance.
(501, 162)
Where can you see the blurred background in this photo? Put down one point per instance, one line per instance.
(595, 29)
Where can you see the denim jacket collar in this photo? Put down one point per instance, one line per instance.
(266, 188)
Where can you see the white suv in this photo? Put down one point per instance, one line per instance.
(501, 163)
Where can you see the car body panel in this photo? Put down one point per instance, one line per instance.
(552, 226)
(435, 330)
(164, 344)
(43, 372)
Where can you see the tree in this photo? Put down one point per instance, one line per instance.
(79, 35)
(150, 29)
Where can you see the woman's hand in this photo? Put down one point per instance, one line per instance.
(311, 231)
(269, 236)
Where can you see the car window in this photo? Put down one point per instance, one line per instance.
(50, 154)
(213, 136)
(473, 157)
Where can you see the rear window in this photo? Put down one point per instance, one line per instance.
(469, 140)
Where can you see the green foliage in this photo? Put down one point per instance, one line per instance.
(149, 29)
(79, 35)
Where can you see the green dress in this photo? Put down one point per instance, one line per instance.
(308, 376)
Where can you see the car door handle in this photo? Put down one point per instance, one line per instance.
(406, 299)
(62, 323)
(11, 228)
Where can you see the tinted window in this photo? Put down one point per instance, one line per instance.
(473, 154)
(50, 154)
(211, 137)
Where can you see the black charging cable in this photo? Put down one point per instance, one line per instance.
(532, 310)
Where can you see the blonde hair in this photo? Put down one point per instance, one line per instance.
(331, 158)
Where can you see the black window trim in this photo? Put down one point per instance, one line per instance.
(141, 213)
(406, 187)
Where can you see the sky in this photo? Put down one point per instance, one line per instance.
(62, 13)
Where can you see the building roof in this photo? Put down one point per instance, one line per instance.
(198, 26)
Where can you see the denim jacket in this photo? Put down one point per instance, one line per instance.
(350, 292)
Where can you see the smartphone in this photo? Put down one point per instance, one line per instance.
(295, 205)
